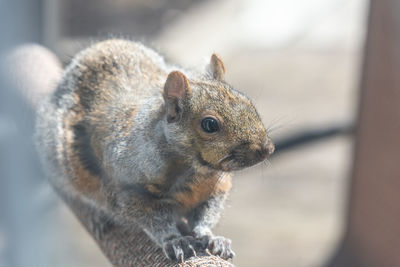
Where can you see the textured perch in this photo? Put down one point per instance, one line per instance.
(129, 245)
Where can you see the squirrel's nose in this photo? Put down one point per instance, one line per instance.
(266, 149)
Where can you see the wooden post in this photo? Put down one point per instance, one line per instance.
(373, 229)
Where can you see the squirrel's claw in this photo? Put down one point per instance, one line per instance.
(221, 246)
(180, 248)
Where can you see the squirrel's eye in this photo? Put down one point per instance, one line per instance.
(210, 125)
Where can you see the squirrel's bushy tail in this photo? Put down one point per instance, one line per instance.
(33, 70)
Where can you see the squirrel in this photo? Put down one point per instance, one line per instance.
(150, 143)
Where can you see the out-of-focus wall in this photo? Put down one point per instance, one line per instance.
(298, 61)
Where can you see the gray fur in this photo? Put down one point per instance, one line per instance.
(155, 173)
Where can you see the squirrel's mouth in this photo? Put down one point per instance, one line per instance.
(230, 162)
(220, 166)
(242, 157)
(235, 163)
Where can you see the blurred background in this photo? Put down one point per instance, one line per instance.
(299, 60)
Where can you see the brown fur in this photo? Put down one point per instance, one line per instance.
(81, 179)
(200, 191)
(128, 134)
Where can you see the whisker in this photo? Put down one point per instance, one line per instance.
(218, 180)
(224, 158)
(275, 128)
(279, 122)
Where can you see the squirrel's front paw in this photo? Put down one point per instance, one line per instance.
(181, 248)
(219, 246)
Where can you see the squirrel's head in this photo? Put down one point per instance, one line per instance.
(213, 123)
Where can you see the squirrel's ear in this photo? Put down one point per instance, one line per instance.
(176, 90)
(217, 67)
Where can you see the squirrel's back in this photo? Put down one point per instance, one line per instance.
(124, 66)
(102, 88)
